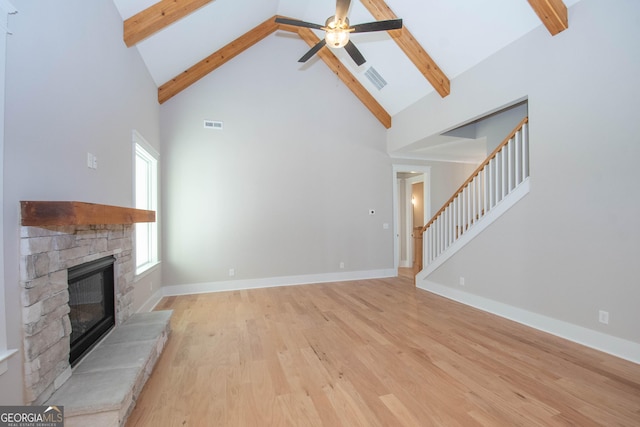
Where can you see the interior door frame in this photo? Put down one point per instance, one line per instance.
(409, 207)
(404, 168)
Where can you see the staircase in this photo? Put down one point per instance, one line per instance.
(496, 185)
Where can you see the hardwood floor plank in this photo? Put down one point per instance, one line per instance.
(373, 353)
(403, 415)
(299, 410)
(346, 404)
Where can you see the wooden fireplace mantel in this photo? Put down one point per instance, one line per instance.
(80, 213)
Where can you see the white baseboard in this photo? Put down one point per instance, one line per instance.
(4, 355)
(615, 346)
(234, 285)
(151, 303)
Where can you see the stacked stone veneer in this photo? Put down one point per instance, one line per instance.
(46, 254)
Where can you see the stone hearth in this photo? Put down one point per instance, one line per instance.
(104, 386)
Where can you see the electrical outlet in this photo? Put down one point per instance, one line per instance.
(341, 264)
(232, 272)
(461, 281)
(92, 161)
(603, 317)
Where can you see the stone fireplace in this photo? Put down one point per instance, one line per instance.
(65, 237)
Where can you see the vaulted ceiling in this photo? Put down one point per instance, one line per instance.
(182, 41)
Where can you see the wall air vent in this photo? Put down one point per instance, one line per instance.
(212, 124)
(375, 78)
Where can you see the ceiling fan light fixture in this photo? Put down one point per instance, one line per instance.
(336, 38)
(336, 32)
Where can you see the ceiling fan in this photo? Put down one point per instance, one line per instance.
(337, 30)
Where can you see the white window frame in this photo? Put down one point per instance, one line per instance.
(144, 151)
(6, 8)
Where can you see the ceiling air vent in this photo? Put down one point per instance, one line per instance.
(375, 78)
(212, 124)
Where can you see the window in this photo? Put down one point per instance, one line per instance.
(146, 197)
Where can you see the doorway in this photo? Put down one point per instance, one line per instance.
(404, 178)
(417, 221)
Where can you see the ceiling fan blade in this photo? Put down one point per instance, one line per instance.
(313, 51)
(298, 23)
(391, 24)
(342, 9)
(354, 53)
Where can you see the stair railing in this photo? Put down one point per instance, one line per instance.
(502, 172)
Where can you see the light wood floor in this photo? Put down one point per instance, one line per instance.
(373, 353)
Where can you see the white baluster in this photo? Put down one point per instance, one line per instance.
(497, 180)
(478, 197)
(479, 193)
(443, 243)
(517, 157)
(465, 222)
(485, 201)
(435, 239)
(450, 221)
(525, 151)
(510, 164)
(463, 209)
(438, 230)
(445, 240)
(489, 182)
(472, 201)
(458, 215)
(504, 173)
(442, 230)
(483, 189)
(427, 246)
(434, 225)
(452, 207)
(470, 204)
(455, 219)
(433, 242)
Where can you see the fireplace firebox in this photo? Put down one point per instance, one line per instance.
(91, 303)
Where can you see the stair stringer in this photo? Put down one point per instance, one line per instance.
(478, 227)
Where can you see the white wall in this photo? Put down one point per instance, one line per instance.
(285, 188)
(497, 127)
(571, 247)
(446, 177)
(72, 87)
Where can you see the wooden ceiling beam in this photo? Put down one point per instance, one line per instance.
(552, 13)
(215, 60)
(345, 75)
(155, 18)
(410, 46)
